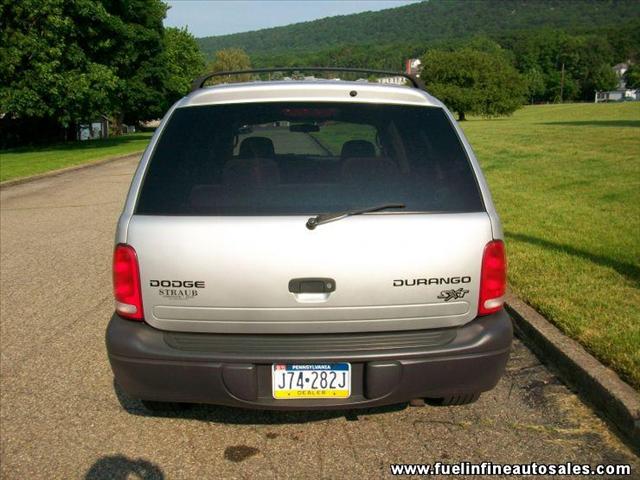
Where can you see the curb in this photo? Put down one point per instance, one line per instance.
(60, 171)
(320, 144)
(617, 401)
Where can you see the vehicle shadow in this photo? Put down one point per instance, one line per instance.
(628, 270)
(596, 123)
(241, 416)
(119, 467)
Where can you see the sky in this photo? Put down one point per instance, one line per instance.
(219, 17)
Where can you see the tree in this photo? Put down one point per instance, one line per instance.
(229, 60)
(184, 61)
(588, 60)
(632, 76)
(573, 66)
(47, 71)
(536, 87)
(473, 82)
(67, 62)
(602, 77)
(136, 44)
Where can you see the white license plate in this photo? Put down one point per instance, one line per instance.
(316, 380)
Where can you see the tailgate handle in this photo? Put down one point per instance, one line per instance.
(312, 285)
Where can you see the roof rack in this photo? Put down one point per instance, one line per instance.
(200, 81)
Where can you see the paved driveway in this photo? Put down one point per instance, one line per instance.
(62, 418)
(284, 142)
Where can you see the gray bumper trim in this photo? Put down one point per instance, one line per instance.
(146, 366)
(338, 343)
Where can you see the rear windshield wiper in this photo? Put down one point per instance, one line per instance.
(313, 222)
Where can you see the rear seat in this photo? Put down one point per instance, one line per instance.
(242, 176)
(238, 176)
(253, 147)
(259, 172)
(357, 148)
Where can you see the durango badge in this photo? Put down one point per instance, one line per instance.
(414, 282)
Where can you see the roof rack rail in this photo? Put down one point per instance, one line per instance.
(200, 81)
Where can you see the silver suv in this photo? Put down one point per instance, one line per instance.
(308, 244)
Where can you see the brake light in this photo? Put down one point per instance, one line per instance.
(493, 279)
(126, 283)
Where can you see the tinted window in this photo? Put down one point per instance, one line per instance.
(300, 158)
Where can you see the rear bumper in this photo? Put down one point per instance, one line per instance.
(235, 370)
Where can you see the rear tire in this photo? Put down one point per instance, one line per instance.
(462, 399)
(163, 407)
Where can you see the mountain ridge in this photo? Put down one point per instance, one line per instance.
(427, 21)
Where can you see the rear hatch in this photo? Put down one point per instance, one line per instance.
(219, 226)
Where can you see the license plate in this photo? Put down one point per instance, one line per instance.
(321, 380)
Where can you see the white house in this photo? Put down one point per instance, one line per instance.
(97, 128)
(621, 93)
(413, 66)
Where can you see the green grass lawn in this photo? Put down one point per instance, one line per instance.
(566, 182)
(23, 162)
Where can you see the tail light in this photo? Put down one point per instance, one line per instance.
(493, 279)
(126, 283)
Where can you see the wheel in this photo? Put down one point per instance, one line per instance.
(461, 399)
(163, 407)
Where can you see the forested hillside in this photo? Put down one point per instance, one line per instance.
(427, 22)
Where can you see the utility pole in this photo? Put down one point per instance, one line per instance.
(562, 84)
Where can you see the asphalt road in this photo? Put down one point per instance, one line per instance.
(286, 143)
(61, 417)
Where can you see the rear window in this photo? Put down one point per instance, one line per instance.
(302, 158)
